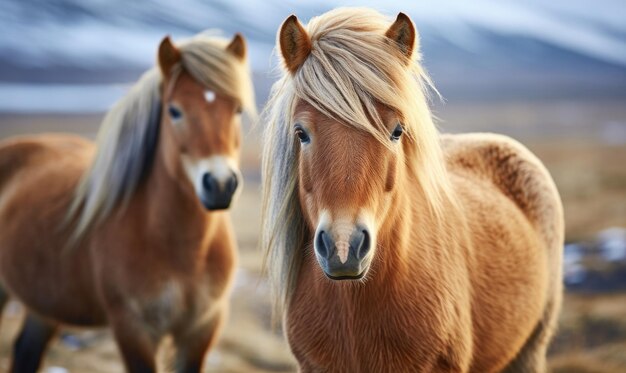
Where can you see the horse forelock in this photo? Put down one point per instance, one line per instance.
(206, 59)
(353, 67)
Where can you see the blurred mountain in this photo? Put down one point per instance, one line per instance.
(474, 50)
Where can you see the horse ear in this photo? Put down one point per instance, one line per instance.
(403, 33)
(169, 55)
(295, 44)
(238, 47)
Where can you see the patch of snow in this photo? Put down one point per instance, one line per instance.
(612, 244)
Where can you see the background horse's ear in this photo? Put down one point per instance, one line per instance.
(404, 34)
(238, 47)
(169, 55)
(294, 42)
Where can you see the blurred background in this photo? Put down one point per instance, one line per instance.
(551, 74)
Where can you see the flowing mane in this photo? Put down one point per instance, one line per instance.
(352, 67)
(128, 136)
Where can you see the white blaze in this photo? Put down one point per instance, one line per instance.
(209, 96)
(342, 229)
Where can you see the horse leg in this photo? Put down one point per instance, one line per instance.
(192, 345)
(532, 357)
(31, 344)
(4, 298)
(137, 345)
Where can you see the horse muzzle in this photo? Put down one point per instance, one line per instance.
(343, 259)
(215, 179)
(218, 194)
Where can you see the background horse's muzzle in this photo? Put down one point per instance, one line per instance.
(218, 194)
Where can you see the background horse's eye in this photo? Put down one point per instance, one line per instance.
(175, 113)
(397, 132)
(302, 135)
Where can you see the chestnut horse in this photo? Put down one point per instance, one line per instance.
(123, 233)
(391, 248)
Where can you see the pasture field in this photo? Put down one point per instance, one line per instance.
(583, 144)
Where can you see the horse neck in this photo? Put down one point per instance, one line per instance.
(393, 238)
(411, 241)
(166, 198)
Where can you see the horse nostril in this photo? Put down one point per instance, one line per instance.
(324, 245)
(208, 183)
(232, 183)
(360, 243)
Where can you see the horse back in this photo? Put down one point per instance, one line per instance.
(515, 172)
(22, 152)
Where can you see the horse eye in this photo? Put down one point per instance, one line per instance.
(397, 132)
(175, 113)
(302, 135)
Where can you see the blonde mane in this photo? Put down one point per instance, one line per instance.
(352, 67)
(128, 136)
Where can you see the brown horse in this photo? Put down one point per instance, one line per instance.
(124, 233)
(392, 248)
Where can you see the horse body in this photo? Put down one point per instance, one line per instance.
(515, 219)
(45, 176)
(176, 277)
(157, 262)
(52, 169)
(404, 253)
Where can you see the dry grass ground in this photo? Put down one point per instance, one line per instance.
(592, 335)
(589, 173)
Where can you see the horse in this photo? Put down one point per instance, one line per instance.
(132, 232)
(390, 247)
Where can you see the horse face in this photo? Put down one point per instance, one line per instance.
(346, 180)
(205, 128)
